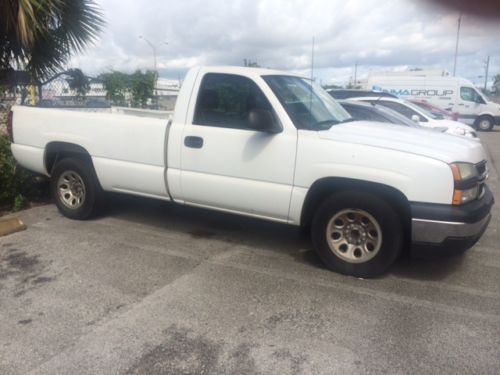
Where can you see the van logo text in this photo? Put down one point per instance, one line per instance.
(415, 92)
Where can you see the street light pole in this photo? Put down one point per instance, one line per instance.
(154, 47)
(486, 68)
(456, 44)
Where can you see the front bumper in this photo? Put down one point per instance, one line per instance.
(451, 228)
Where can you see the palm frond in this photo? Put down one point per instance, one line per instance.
(41, 35)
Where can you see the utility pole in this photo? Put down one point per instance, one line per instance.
(486, 67)
(456, 45)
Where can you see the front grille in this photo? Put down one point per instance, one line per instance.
(482, 172)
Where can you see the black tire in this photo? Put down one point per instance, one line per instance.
(92, 191)
(385, 216)
(484, 123)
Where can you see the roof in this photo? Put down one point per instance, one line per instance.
(246, 71)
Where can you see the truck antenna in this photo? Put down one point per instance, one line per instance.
(312, 60)
(312, 77)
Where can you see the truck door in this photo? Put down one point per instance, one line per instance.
(225, 164)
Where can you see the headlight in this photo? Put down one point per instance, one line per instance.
(466, 180)
(463, 171)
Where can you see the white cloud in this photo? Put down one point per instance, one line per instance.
(278, 34)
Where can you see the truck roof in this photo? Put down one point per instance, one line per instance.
(246, 71)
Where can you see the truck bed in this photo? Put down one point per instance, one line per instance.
(128, 152)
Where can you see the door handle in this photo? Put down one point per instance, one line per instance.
(193, 142)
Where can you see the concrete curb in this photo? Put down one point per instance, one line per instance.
(11, 225)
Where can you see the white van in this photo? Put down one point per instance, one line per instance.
(450, 93)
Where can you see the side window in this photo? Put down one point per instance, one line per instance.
(470, 95)
(224, 100)
(400, 108)
(374, 116)
(467, 93)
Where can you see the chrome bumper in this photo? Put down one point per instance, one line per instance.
(436, 232)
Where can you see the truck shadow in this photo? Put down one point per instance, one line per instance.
(259, 234)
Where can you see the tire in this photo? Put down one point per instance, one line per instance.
(484, 123)
(369, 239)
(75, 188)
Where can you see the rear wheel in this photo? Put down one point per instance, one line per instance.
(75, 188)
(357, 233)
(484, 123)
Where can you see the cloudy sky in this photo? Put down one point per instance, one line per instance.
(378, 35)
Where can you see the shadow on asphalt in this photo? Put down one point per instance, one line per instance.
(240, 230)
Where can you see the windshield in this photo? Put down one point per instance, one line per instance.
(423, 111)
(481, 95)
(309, 106)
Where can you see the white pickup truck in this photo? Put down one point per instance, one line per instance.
(270, 145)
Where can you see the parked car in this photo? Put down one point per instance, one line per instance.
(421, 116)
(347, 93)
(274, 146)
(370, 112)
(450, 93)
(436, 111)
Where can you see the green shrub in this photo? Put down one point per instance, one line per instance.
(16, 183)
(20, 202)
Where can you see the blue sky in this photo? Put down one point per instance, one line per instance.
(378, 35)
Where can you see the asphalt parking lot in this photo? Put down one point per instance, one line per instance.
(153, 288)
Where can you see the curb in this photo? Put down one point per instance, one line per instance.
(11, 225)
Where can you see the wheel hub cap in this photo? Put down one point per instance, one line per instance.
(354, 235)
(71, 189)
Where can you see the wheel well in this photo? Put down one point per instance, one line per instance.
(483, 116)
(55, 151)
(325, 187)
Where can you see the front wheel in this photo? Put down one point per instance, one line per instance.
(484, 123)
(357, 234)
(75, 188)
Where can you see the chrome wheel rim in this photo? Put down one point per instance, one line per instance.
(71, 190)
(484, 124)
(354, 235)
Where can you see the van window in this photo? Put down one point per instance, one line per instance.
(225, 100)
(469, 94)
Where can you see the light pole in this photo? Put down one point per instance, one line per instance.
(456, 44)
(154, 47)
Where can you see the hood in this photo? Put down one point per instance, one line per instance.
(493, 107)
(458, 129)
(417, 141)
(455, 124)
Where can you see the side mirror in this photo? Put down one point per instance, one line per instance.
(415, 118)
(263, 120)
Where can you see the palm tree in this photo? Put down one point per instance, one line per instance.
(39, 36)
